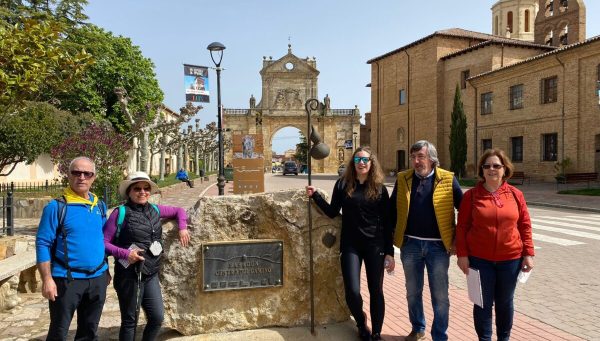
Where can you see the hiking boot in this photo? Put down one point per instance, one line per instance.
(376, 337)
(364, 333)
(414, 336)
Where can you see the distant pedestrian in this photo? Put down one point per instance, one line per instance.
(70, 255)
(423, 203)
(133, 236)
(494, 236)
(182, 175)
(367, 235)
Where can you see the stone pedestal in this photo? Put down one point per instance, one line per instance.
(272, 216)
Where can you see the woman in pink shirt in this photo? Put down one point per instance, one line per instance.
(133, 236)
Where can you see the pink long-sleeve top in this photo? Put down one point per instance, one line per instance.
(110, 228)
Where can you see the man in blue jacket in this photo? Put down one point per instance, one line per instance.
(70, 255)
(182, 175)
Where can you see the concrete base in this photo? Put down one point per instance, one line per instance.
(343, 331)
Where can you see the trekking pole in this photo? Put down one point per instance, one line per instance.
(139, 268)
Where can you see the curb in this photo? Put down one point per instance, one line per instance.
(567, 207)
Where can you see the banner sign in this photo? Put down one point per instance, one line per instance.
(195, 80)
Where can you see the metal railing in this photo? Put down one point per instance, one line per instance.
(8, 223)
(236, 111)
(27, 187)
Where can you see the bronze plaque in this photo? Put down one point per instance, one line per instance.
(243, 265)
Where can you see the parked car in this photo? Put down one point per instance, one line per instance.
(341, 169)
(290, 167)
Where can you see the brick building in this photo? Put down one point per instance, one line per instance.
(538, 100)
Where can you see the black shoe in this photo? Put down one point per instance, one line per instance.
(376, 337)
(364, 333)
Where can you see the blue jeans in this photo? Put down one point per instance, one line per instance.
(416, 255)
(498, 282)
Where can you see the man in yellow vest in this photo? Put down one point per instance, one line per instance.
(423, 203)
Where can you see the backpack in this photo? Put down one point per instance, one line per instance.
(62, 232)
(121, 218)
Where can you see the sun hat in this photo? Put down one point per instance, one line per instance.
(133, 178)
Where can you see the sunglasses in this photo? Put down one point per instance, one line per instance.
(139, 189)
(492, 166)
(363, 159)
(78, 174)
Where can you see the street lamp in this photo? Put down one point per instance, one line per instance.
(218, 48)
(319, 151)
(355, 134)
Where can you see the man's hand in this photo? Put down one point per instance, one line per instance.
(463, 264)
(184, 237)
(49, 289)
(389, 263)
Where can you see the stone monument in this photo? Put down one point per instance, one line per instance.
(277, 216)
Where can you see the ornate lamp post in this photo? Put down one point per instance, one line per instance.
(354, 134)
(319, 152)
(218, 48)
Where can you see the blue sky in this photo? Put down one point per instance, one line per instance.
(341, 34)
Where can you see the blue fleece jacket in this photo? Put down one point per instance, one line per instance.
(85, 241)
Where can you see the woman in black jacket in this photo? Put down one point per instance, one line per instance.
(367, 234)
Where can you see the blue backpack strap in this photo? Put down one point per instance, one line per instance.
(156, 208)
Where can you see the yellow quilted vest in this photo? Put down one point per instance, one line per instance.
(443, 204)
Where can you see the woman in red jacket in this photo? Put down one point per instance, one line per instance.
(493, 235)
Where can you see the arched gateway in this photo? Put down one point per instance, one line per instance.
(286, 85)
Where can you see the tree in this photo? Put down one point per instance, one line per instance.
(302, 150)
(458, 136)
(102, 144)
(141, 126)
(117, 64)
(32, 131)
(36, 63)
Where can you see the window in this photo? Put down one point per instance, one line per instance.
(598, 82)
(509, 22)
(464, 75)
(517, 148)
(549, 89)
(486, 103)
(486, 144)
(526, 20)
(549, 147)
(516, 97)
(402, 96)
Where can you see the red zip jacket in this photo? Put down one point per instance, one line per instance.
(490, 232)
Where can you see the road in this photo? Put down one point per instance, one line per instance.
(563, 290)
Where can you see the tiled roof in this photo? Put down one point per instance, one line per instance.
(540, 56)
(509, 42)
(460, 33)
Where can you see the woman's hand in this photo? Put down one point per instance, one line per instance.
(389, 263)
(527, 263)
(310, 190)
(463, 264)
(184, 237)
(135, 256)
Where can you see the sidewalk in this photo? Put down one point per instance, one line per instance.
(544, 194)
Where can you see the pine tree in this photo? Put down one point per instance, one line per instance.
(458, 136)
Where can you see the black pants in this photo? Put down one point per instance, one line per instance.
(87, 296)
(351, 258)
(151, 302)
(188, 181)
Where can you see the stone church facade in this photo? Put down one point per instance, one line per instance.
(287, 83)
(536, 97)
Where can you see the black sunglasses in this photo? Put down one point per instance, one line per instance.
(85, 174)
(492, 166)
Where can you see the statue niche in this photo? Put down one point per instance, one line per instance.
(288, 99)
